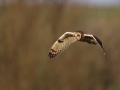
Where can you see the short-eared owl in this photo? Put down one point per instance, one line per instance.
(68, 38)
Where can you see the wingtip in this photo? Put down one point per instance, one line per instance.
(51, 56)
(105, 56)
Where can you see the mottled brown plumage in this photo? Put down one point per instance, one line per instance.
(68, 38)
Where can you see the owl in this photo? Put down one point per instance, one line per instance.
(70, 37)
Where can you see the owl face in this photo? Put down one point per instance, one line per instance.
(77, 35)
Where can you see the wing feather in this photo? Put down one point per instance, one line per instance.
(97, 42)
(61, 44)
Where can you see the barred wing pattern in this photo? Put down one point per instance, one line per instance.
(61, 44)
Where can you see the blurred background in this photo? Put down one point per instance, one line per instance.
(28, 29)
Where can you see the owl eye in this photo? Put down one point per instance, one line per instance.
(78, 35)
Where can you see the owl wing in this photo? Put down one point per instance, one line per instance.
(61, 44)
(96, 41)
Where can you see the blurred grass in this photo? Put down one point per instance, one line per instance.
(27, 34)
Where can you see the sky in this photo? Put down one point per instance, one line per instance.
(88, 2)
(97, 2)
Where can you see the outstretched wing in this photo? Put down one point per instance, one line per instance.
(61, 44)
(95, 40)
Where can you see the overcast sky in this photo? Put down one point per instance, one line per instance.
(97, 2)
(89, 2)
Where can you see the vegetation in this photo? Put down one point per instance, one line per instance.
(28, 32)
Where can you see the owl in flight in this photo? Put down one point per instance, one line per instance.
(68, 38)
